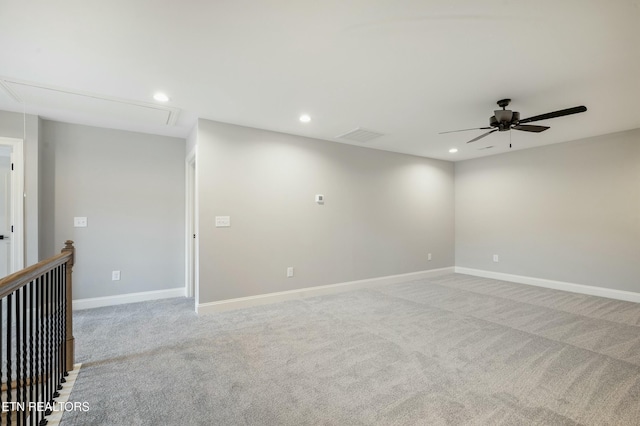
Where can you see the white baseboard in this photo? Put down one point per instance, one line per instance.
(120, 299)
(628, 296)
(264, 299)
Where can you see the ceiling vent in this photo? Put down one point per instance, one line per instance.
(360, 135)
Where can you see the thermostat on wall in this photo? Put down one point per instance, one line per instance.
(319, 198)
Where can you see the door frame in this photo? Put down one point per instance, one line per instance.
(17, 202)
(191, 228)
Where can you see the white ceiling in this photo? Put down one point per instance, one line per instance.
(407, 69)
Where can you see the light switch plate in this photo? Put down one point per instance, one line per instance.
(80, 222)
(223, 221)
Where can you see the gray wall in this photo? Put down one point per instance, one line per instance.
(17, 125)
(130, 186)
(383, 212)
(567, 212)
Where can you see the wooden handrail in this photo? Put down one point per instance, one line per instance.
(12, 282)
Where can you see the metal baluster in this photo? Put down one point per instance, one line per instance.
(49, 345)
(40, 347)
(61, 324)
(63, 288)
(54, 334)
(18, 353)
(1, 366)
(47, 359)
(32, 370)
(43, 332)
(25, 378)
(52, 329)
(8, 360)
(57, 331)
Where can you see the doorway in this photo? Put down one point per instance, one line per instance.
(11, 206)
(191, 249)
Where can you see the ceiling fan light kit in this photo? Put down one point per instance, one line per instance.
(504, 120)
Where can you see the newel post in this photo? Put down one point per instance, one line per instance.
(70, 343)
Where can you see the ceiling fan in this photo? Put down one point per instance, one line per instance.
(505, 119)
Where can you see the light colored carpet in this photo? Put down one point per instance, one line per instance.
(455, 350)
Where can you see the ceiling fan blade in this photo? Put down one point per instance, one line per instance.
(482, 135)
(554, 114)
(530, 128)
(464, 130)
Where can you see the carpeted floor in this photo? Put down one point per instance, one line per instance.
(456, 350)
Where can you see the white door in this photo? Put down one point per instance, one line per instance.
(11, 205)
(5, 214)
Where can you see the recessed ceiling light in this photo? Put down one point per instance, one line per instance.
(161, 97)
(305, 118)
(453, 150)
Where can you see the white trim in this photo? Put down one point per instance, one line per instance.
(264, 299)
(121, 299)
(610, 293)
(17, 203)
(191, 224)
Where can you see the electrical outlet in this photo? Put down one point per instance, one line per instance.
(290, 272)
(496, 258)
(429, 256)
(80, 222)
(115, 275)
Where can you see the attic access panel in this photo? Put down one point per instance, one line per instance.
(89, 103)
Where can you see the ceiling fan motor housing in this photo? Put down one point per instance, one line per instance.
(503, 119)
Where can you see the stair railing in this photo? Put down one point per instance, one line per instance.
(36, 338)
